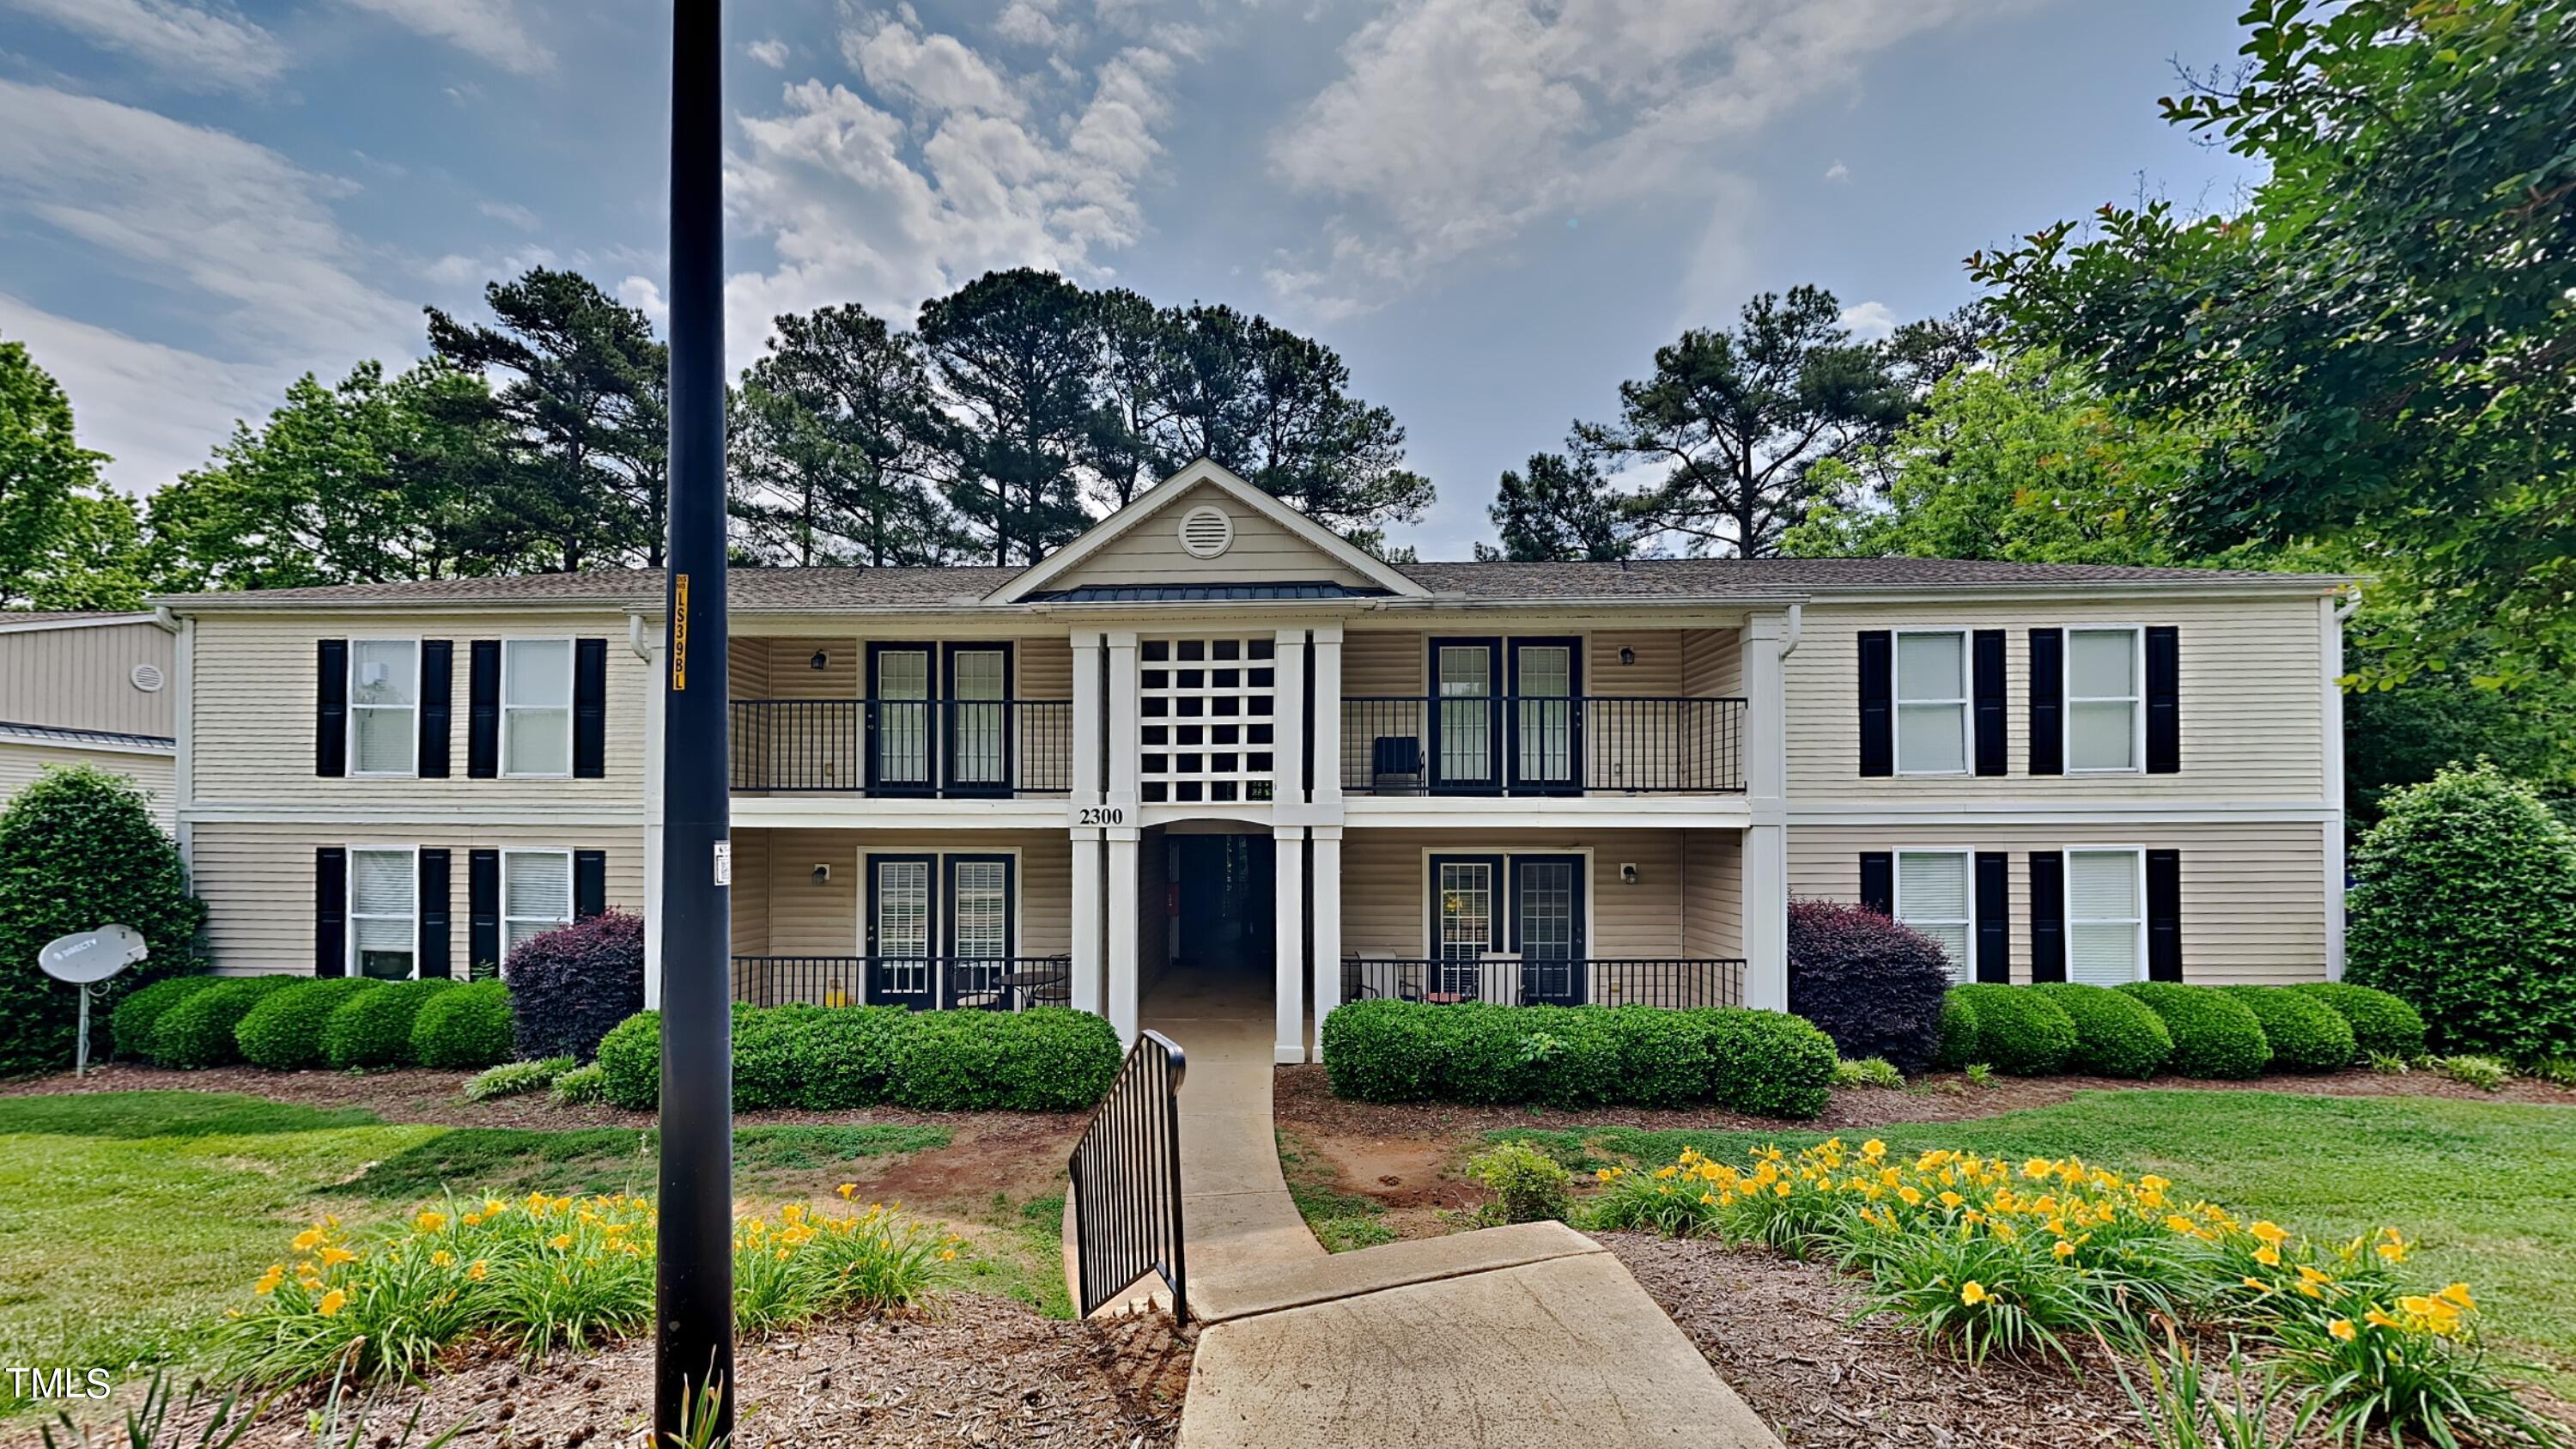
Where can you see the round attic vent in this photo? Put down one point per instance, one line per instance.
(147, 678)
(1206, 531)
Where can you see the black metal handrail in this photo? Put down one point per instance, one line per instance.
(956, 983)
(1533, 745)
(1666, 981)
(948, 748)
(1127, 1181)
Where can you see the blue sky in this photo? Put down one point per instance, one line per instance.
(1494, 209)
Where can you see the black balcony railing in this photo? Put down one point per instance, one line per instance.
(1668, 981)
(904, 747)
(1508, 745)
(1126, 1182)
(955, 983)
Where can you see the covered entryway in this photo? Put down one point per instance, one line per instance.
(1207, 937)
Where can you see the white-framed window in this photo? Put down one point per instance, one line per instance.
(536, 707)
(2105, 692)
(384, 707)
(1931, 701)
(1934, 895)
(384, 912)
(536, 894)
(2106, 916)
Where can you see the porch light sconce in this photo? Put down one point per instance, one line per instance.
(818, 661)
(1627, 655)
(1627, 873)
(823, 874)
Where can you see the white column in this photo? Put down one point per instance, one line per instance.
(1121, 791)
(1325, 944)
(1766, 840)
(1288, 720)
(1088, 718)
(1121, 902)
(653, 707)
(1288, 1043)
(1089, 888)
(1327, 744)
(2330, 650)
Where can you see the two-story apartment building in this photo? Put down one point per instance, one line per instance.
(88, 688)
(1209, 736)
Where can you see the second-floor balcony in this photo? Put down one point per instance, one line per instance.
(1541, 745)
(929, 748)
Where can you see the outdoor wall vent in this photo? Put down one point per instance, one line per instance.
(1206, 531)
(147, 677)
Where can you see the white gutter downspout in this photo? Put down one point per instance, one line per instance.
(1797, 625)
(2330, 666)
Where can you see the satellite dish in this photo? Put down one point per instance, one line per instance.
(89, 956)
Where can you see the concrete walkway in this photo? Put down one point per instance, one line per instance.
(1521, 1336)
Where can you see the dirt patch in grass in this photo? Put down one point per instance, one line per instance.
(970, 1371)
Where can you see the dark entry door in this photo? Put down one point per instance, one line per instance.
(902, 926)
(1547, 927)
(1466, 715)
(902, 678)
(1546, 715)
(1224, 887)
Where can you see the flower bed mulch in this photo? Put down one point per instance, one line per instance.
(972, 1371)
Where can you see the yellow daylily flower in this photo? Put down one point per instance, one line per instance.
(1973, 1292)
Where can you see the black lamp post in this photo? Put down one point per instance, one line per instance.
(693, 1323)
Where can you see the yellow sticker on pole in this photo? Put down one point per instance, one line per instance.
(679, 632)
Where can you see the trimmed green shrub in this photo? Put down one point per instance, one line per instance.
(2214, 1034)
(1958, 1034)
(373, 1028)
(630, 1062)
(130, 1025)
(1874, 986)
(2467, 910)
(1047, 1060)
(198, 1031)
(2019, 1032)
(466, 1026)
(2115, 1035)
(1384, 1050)
(79, 849)
(2306, 1034)
(770, 1048)
(1528, 1185)
(1768, 1063)
(1663, 1057)
(2381, 1023)
(568, 986)
(849, 1057)
(284, 1032)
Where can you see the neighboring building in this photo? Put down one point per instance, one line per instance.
(89, 688)
(1209, 735)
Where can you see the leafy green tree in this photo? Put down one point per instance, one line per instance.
(79, 850)
(344, 484)
(66, 540)
(579, 477)
(1290, 426)
(2384, 330)
(832, 446)
(1736, 421)
(1014, 355)
(1556, 510)
(2396, 735)
(1141, 382)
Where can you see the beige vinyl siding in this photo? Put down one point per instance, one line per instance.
(1657, 674)
(253, 682)
(2253, 895)
(1262, 552)
(257, 880)
(82, 678)
(1712, 663)
(1382, 662)
(1713, 893)
(1044, 668)
(751, 892)
(1386, 891)
(805, 919)
(21, 761)
(2253, 713)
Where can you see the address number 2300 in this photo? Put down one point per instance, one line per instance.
(1099, 815)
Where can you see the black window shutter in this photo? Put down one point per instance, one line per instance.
(589, 883)
(2047, 701)
(1994, 916)
(1986, 668)
(331, 911)
(331, 707)
(483, 913)
(1877, 702)
(2164, 699)
(2047, 915)
(1878, 881)
(483, 710)
(435, 916)
(2164, 915)
(589, 708)
(437, 704)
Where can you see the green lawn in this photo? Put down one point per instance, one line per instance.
(2486, 1189)
(128, 1218)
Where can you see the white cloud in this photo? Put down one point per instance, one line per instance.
(645, 296)
(1869, 321)
(1456, 123)
(488, 29)
(771, 52)
(157, 411)
(511, 212)
(201, 47)
(1031, 22)
(1838, 172)
(951, 165)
